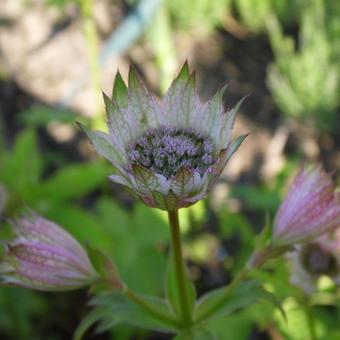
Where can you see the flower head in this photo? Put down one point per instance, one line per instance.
(43, 256)
(312, 260)
(311, 208)
(166, 153)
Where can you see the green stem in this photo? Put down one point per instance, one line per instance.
(310, 321)
(161, 38)
(150, 309)
(179, 266)
(228, 290)
(92, 42)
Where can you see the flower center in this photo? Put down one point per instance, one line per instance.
(317, 261)
(166, 150)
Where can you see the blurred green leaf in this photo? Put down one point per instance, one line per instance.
(16, 318)
(74, 181)
(41, 115)
(198, 333)
(83, 225)
(139, 238)
(200, 15)
(301, 90)
(246, 294)
(254, 13)
(258, 197)
(22, 167)
(113, 309)
(236, 326)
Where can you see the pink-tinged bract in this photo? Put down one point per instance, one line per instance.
(167, 153)
(310, 209)
(43, 256)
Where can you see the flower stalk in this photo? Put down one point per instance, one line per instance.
(310, 321)
(179, 266)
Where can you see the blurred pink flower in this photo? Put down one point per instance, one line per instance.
(43, 256)
(311, 208)
(312, 260)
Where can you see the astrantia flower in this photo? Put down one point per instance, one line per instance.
(311, 208)
(312, 260)
(43, 256)
(166, 153)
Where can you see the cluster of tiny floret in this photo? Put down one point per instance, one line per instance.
(166, 150)
(318, 261)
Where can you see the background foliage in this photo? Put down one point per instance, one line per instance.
(284, 53)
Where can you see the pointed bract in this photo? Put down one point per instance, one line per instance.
(101, 142)
(144, 105)
(183, 182)
(166, 153)
(181, 103)
(120, 92)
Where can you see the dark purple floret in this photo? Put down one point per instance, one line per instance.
(317, 261)
(166, 150)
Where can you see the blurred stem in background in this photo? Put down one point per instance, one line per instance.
(160, 35)
(308, 308)
(92, 42)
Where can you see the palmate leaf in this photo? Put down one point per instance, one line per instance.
(73, 181)
(112, 309)
(246, 294)
(198, 333)
(15, 164)
(171, 288)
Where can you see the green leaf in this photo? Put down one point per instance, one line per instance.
(22, 168)
(172, 291)
(89, 320)
(41, 115)
(198, 333)
(151, 228)
(246, 294)
(18, 308)
(82, 225)
(74, 181)
(236, 326)
(139, 237)
(112, 309)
